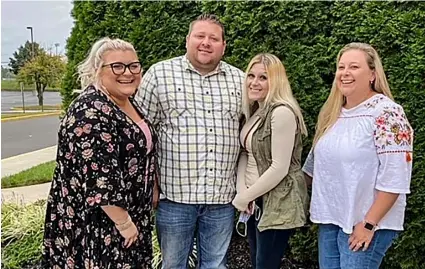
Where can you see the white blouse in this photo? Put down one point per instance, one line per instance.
(369, 148)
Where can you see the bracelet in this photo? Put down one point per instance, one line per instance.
(125, 225)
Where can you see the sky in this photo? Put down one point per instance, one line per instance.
(51, 22)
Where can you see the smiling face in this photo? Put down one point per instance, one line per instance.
(257, 83)
(205, 46)
(124, 85)
(353, 75)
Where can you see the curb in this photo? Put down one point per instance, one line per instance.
(18, 163)
(31, 116)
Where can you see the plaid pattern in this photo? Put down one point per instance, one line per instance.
(197, 119)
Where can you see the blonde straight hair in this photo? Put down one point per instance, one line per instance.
(279, 88)
(89, 69)
(330, 111)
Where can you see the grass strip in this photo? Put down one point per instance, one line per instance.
(41, 173)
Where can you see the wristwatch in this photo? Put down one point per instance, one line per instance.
(369, 225)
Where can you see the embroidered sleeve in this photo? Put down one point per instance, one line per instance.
(308, 166)
(393, 137)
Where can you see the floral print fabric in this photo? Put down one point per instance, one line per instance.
(102, 159)
(392, 130)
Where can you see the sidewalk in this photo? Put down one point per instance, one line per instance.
(22, 162)
(30, 111)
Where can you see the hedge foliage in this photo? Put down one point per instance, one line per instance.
(307, 37)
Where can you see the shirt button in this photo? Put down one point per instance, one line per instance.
(210, 130)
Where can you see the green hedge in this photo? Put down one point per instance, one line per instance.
(307, 37)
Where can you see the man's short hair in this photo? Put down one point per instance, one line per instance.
(208, 17)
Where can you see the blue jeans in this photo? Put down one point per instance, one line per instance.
(176, 226)
(334, 251)
(267, 247)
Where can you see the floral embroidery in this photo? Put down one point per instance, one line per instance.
(393, 131)
(374, 101)
(101, 158)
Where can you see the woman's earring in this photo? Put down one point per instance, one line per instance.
(372, 84)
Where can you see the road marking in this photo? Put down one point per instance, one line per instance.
(30, 116)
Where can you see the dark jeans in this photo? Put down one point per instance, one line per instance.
(266, 247)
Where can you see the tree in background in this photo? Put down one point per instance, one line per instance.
(44, 70)
(23, 55)
(6, 73)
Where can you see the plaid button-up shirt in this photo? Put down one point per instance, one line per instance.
(197, 119)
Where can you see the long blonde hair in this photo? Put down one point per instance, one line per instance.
(279, 88)
(89, 69)
(330, 111)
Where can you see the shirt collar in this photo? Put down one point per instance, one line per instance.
(221, 68)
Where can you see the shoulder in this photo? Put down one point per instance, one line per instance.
(382, 104)
(161, 66)
(232, 70)
(91, 104)
(282, 110)
(283, 115)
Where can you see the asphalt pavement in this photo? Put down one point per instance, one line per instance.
(11, 99)
(22, 136)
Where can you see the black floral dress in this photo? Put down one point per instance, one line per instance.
(102, 159)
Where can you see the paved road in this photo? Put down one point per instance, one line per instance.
(23, 136)
(11, 99)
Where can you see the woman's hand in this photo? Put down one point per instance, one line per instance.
(128, 230)
(239, 204)
(250, 209)
(130, 235)
(360, 238)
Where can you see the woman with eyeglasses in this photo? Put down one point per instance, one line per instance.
(100, 202)
(270, 184)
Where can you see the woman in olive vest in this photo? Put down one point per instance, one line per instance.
(270, 183)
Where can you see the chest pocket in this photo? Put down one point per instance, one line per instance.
(180, 102)
(230, 102)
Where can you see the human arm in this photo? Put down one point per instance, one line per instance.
(393, 138)
(95, 146)
(283, 129)
(123, 223)
(308, 168)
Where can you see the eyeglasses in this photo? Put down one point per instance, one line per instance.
(119, 68)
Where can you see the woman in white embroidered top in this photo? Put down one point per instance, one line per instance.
(270, 182)
(360, 164)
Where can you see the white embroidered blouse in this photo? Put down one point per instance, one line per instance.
(369, 148)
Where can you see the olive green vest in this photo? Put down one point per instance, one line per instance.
(285, 206)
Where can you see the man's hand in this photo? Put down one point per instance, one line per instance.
(155, 198)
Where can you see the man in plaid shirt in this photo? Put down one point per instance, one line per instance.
(194, 101)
